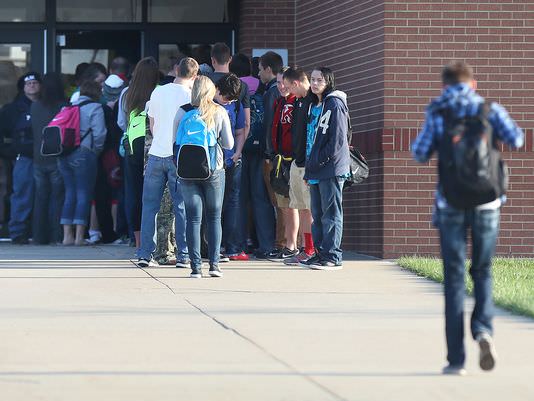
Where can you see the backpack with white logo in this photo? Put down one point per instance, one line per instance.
(197, 148)
(62, 135)
(471, 171)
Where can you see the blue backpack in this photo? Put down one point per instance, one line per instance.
(197, 148)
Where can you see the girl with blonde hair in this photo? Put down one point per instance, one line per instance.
(206, 193)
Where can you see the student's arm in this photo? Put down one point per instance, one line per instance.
(121, 113)
(268, 114)
(226, 139)
(239, 133)
(505, 128)
(99, 130)
(423, 146)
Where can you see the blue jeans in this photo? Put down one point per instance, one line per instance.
(161, 171)
(208, 195)
(49, 194)
(327, 212)
(232, 226)
(453, 226)
(79, 176)
(253, 190)
(21, 198)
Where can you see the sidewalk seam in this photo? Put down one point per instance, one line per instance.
(268, 353)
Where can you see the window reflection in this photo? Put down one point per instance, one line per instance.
(188, 11)
(99, 10)
(22, 10)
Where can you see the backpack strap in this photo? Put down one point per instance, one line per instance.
(187, 107)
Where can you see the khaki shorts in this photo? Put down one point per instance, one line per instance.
(281, 201)
(299, 192)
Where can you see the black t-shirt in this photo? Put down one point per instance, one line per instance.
(299, 128)
(244, 97)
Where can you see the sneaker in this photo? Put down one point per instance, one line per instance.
(94, 237)
(196, 272)
(183, 262)
(20, 241)
(306, 263)
(284, 254)
(295, 260)
(263, 255)
(318, 263)
(142, 262)
(215, 271)
(454, 370)
(223, 258)
(240, 256)
(488, 355)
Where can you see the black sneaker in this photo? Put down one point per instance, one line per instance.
(314, 259)
(20, 241)
(142, 262)
(223, 258)
(324, 264)
(196, 272)
(488, 355)
(284, 254)
(215, 271)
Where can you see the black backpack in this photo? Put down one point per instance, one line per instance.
(471, 171)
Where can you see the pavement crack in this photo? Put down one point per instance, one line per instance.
(268, 353)
(154, 277)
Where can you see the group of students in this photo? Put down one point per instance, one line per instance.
(280, 139)
(251, 127)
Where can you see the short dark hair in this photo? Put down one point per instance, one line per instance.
(187, 68)
(240, 65)
(52, 89)
(273, 60)
(293, 74)
(91, 89)
(329, 80)
(221, 53)
(92, 71)
(119, 65)
(456, 72)
(229, 86)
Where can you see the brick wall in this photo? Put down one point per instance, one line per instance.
(387, 55)
(267, 24)
(497, 38)
(349, 38)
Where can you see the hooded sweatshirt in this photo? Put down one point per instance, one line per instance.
(329, 156)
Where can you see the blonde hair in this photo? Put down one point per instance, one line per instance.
(202, 96)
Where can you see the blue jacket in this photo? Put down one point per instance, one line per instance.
(329, 155)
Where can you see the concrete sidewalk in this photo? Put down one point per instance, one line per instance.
(86, 324)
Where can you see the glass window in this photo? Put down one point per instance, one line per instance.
(188, 11)
(99, 10)
(70, 58)
(14, 61)
(169, 54)
(22, 10)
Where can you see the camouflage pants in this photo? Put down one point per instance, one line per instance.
(165, 243)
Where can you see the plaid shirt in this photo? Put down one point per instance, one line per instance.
(463, 101)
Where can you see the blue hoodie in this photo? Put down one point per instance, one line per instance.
(329, 156)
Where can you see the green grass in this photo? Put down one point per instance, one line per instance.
(513, 280)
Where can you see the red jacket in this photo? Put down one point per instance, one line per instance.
(282, 121)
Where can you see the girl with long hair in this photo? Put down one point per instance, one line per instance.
(205, 194)
(133, 104)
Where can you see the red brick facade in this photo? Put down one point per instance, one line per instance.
(387, 56)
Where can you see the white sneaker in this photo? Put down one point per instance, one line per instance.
(488, 356)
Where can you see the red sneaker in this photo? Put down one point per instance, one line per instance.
(240, 256)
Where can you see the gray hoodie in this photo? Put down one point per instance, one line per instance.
(92, 117)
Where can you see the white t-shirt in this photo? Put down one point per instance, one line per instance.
(164, 102)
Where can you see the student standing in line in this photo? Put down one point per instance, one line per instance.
(205, 194)
(160, 171)
(327, 166)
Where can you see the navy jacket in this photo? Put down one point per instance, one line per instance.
(16, 129)
(329, 155)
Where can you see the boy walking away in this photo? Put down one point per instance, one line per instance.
(161, 170)
(464, 131)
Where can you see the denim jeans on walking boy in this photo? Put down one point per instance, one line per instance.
(453, 226)
(204, 195)
(161, 171)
